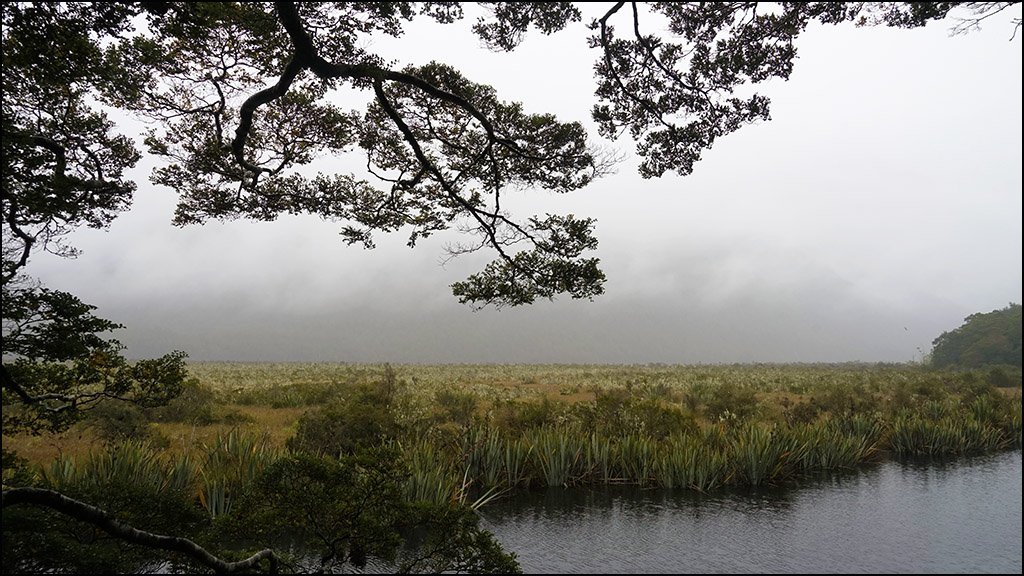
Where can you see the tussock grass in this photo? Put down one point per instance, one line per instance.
(466, 429)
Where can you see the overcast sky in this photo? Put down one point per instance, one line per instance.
(878, 208)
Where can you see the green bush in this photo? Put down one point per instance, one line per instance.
(607, 413)
(972, 385)
(732, 398)
(193, 406)
(659, 420)
(1001, 378)
(851, 399)
(517, 417)
(115, 421)
(349, 510)
(235, 418)
(16, 471)
(346, 426)
(456, 405)
(803, 412)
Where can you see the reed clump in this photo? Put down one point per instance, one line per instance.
(684, 434)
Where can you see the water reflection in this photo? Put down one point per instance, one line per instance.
(963, 517)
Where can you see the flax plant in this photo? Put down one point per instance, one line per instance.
(557, 455)
(599, 458)
(518, 454)
(685, 461)
(492, 460)
(131, 462)
(432, 477)
(636, 457)
(763, 455)
(228, 465)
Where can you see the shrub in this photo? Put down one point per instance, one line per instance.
(517, 417)
(194, 406)
(851, 399)
(658, 420)
(16, 471)
(607, 413)
(456, 405)
(115, 421)
(803, 412)
(234, 418)
(1000, 379)
(346, 426)
(732, 398)
(971, 386)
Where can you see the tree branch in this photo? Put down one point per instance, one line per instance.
(253, 102)
(650, 107)
(410, 138)
(70, 402)
(27, 241)
(109, 524)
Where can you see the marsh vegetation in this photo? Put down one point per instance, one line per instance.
(456, 437)
(519, 426)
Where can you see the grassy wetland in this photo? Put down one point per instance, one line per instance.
(474, 432)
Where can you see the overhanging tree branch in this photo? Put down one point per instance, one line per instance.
(111, 525)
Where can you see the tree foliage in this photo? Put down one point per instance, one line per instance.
(60, 366)
(352, 509)
(240, 95)
(63, 168)
(991, 339)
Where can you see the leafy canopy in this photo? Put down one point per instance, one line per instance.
(239, 95)
(991, 339)
(63, 168)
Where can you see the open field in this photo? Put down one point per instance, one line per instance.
(534, 425)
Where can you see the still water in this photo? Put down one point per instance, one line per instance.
(962, 517)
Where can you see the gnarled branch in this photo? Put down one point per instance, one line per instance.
(111, 525)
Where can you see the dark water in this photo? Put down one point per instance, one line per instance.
(963, 517)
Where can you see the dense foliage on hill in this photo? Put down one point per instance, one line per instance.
(991, 339)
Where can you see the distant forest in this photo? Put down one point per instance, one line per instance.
(992, 339)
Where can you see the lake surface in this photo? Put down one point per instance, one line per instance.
(962, 517)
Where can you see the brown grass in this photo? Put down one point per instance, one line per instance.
(44, 449)
(277, 423)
